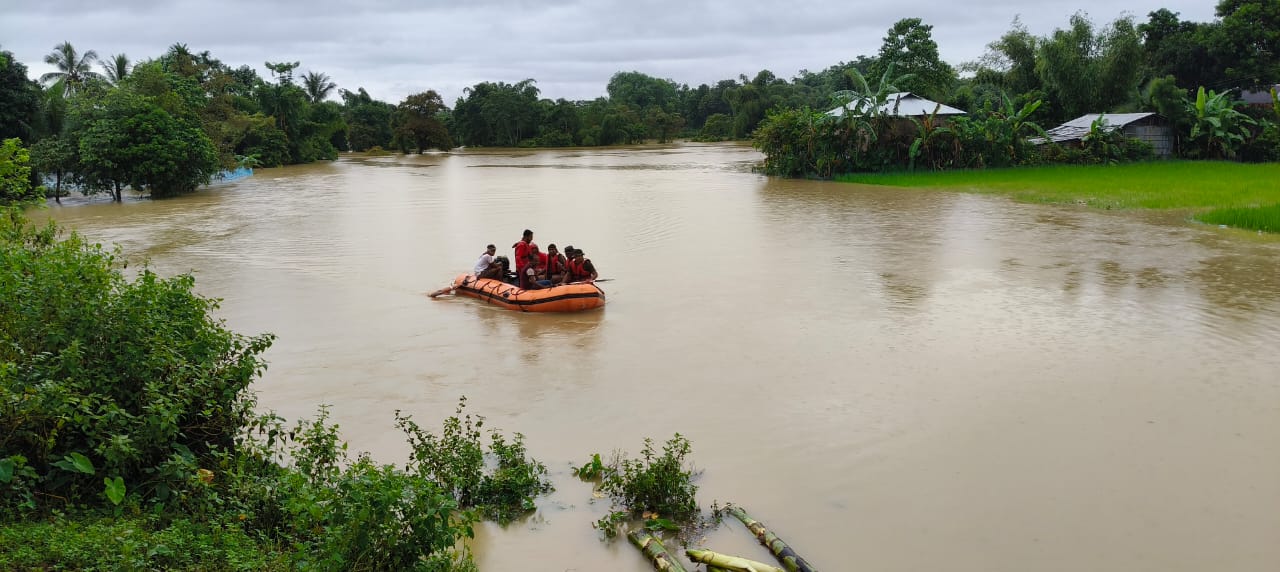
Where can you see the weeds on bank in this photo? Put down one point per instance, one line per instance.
(657, 487)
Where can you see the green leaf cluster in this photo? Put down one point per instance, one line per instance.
(132, 376)
(655, 483)
(501, 487)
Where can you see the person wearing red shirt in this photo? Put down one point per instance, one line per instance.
(522, 251)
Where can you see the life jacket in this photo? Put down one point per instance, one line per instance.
(553, 266)
(522, 255)
(575, 271)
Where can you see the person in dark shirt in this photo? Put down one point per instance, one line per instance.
(580, 268)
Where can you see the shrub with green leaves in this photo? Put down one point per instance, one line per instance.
(654, 483)
(105, 378)
(455, 460)
(338, 514)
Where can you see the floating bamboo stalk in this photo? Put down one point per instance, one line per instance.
(734, 563)
(652, 547)
(788, 557)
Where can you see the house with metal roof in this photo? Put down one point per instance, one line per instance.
(1259, 97)
(1149, 127)
(904, 104)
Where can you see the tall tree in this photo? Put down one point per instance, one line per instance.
(74, 68)
(1251, 40)
(909, 46)
(318, 86)
(19, 100)
(416, 121)
(116, 69)
(54, 156)
(131, 141)
(1183, 49)
(1084, 71)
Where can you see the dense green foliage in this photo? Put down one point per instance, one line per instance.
(1156, 64)
(658, 487)
(132, 375)
(15, 173)
(455, 460)
(125, 417)
(1025, 83)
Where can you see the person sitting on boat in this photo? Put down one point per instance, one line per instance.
(555, 266)
(485, 267)
(522, 250)
(580, 268)
(529, 276)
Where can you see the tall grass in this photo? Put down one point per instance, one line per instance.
(1154, 185)
(1265, 219)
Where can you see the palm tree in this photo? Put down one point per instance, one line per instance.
(180, 60)
(116, 68)
(318, 86)
(74, 69)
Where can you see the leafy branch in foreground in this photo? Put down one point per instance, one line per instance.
(455, 460)
(657, 487)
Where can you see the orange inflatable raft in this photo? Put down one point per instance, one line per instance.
(567, 298)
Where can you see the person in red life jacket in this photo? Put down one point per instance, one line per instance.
(522, 251)
(580, 268)
(542, 258)
(556, 265)
(529, 276)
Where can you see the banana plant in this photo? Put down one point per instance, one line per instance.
(928, 130)
(1217, 124)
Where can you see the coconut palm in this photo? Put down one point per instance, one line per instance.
(180, 60)
(116, 68)
(74, 69)
(318, 86)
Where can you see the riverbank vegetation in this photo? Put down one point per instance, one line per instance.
(164, 124)
(1192, 75)
(129, 439)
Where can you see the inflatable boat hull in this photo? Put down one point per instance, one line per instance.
(567, 298)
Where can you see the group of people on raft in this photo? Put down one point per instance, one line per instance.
(534, 269)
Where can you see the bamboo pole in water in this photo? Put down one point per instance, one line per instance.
(788, 557)
(652, 547)
(734, 563)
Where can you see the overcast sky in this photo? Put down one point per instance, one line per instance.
(396, 47)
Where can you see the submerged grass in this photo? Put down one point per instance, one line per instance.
(1265, 219)
(1153, 185)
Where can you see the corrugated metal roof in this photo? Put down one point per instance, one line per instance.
(1259, 96)
(907, 105)
(1079, 127)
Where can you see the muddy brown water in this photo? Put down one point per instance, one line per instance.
(893, 380)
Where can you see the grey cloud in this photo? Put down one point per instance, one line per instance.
(572, 47)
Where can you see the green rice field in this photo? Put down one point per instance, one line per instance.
(1234, 194)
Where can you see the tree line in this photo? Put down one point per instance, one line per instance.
(168, 124)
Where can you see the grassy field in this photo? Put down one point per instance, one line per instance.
(1192, 185)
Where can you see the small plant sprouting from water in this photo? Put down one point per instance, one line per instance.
(657, 486)
(590, 471)
(456, 461)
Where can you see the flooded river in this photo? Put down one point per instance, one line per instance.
(893, 380)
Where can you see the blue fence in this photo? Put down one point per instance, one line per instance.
(236, 175)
